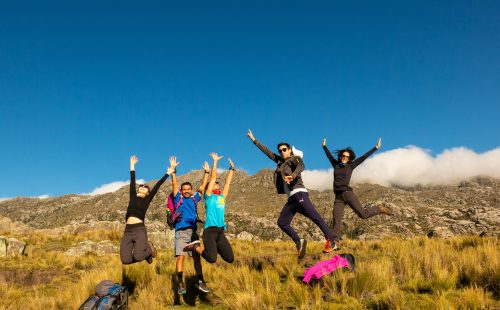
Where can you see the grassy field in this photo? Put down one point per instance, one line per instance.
(420, 273)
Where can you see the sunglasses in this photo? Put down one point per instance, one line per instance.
(143, 185)
(345, 156)
(283, 150)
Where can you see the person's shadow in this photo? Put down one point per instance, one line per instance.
(128, 282)
(191, 292)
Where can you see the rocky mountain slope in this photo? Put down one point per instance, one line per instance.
(471, 207)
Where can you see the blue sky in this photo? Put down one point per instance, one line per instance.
(83, 85)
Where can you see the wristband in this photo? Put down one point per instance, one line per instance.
(232, 169)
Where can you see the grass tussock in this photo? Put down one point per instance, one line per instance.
(420, 273)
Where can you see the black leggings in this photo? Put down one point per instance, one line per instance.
(215, 242)
(349, 198)
(134, 246)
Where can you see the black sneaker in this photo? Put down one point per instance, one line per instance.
(301, 248)
(191, 247)
(202, 286)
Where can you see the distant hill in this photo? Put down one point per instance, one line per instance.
(472, 207)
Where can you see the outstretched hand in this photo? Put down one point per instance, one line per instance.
(250, 135)
(323, 143)
(288, 179)
(170, 170)
(173, 162)
(379, 143)
(133, 160)
(231, 164)
(215, 157)
(206, 167)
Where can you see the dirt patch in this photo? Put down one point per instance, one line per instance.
(29, 277)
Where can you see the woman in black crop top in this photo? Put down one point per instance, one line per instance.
(134, 246)
(343, 167)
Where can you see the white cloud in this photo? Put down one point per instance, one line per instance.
(110, 187)
(413, 165)
(42, 196)
(5, 199)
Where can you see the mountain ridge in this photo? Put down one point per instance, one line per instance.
(470, 207)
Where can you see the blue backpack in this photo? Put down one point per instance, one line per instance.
(109, 295)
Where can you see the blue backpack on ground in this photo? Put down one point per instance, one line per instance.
(109, 295)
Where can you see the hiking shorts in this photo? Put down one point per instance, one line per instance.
(182, 238)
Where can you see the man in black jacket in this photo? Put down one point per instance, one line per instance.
(288, 180)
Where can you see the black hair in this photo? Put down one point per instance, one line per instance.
(283, 143)
(352, 155)
(206, 186)
(187, 183)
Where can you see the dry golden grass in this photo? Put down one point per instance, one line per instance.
(420, 273)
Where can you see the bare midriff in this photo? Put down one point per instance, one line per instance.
(133, 220)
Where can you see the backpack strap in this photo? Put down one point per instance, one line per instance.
(178, 204)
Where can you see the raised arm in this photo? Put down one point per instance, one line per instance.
(213, 175)
(133, 161)
(229, 178)
(204, 181)
(170, 170)
(274, 157)
(332, 159)
(361, 159)
(175, 185)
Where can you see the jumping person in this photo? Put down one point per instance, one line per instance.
(342, 171)
(134, 246)
(288, 180)
(214, 239)
(185, 229)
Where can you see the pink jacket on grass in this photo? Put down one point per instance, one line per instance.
(324, 267)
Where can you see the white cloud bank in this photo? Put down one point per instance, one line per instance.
(413, 165)
(111, 187)
(39, 197)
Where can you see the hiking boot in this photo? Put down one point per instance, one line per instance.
(301, 248)
(202, 286)
(328, 247)
(384, 210)
(191, 247)
(180, 289)
(153, 249)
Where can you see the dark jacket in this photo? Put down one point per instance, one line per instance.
(342, 172)
(292, 166)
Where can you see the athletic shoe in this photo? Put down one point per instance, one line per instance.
(328, 247)
(385, 210)
(191, 247)
(301, 248)
(202, 286)
(180, 289)
(153, 249)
